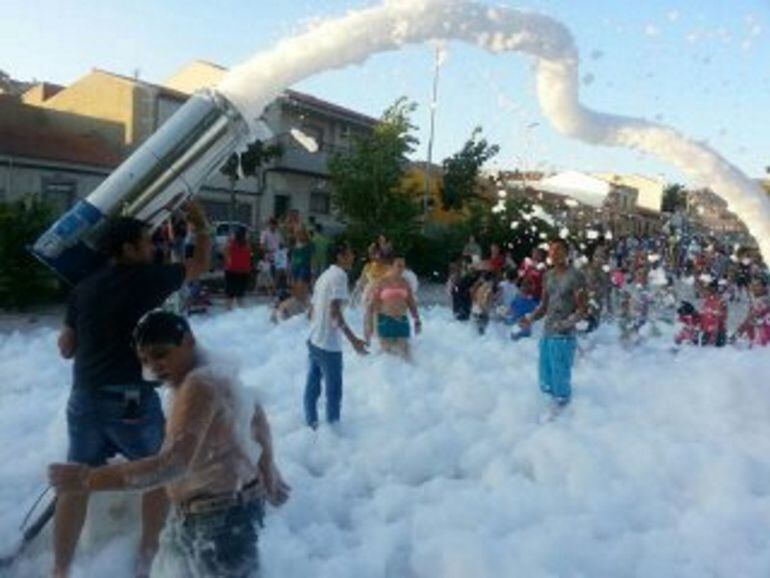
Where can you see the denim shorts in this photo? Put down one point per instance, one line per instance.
(102, 425)
(219, 544)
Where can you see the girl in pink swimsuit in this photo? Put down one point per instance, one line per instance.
(391, 299)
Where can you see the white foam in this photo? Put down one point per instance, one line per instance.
(441, 469)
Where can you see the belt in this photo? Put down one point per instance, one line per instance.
(216, 503)
(130, 393)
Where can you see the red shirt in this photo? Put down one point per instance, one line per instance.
(496, 264)
(530, 271)
(238, 258)
(713, 317)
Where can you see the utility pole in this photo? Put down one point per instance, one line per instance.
(429, 160)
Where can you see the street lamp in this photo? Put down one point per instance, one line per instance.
(433, 105)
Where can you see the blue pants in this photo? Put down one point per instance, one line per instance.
(220, 544)
(557, 353)
(101, 426)
(326, 364)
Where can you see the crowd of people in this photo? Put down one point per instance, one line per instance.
(637, 283)
(205, 480)
(281, 263)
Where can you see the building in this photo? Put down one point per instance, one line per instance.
(613, 203)
(58, 156)
(709, 212)
(109, 115)
(299, 179)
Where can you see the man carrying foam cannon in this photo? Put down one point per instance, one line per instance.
(112, 409)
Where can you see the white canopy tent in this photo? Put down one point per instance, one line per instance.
(583, 188)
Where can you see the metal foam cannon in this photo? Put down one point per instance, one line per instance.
(155, 180)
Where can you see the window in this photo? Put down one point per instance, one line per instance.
(59, 192)
(316, 132)
(281, 205)
(221, 211)
(320, 203)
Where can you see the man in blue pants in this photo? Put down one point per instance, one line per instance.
(325, 343)
(563, 305)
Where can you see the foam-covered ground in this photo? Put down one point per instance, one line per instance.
(660, 467)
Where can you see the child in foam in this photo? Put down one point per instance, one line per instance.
(713, 316)
(522, 305)
(689, 324)
(484, 294)
(265, 276)
(508, 290)
(374, 269)
(756, 326)
(636, 308)
(391, 298)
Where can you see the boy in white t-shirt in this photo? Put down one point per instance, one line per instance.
(325, 341)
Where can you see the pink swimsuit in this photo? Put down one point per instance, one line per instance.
(393, 293)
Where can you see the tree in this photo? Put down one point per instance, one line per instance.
(247, 164)
(23, 281)
(513, 224)
(674, 197)
(368, 182)
(461, 171)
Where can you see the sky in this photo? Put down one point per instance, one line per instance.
(702, 67)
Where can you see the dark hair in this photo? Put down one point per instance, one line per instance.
(121, 231)
(338, 248)
(686, 308)
(560, 241)
(160, 327)
(240, 235)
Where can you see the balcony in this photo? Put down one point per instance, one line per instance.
(296, 158)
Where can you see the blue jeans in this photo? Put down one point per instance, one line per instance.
(326, 364)
(221, 544)
(557, 353)
(102, 425)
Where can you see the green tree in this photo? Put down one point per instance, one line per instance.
(247, 164)
(512, 224)
(23, 281)
(674, 197)
(461, 171)
(368, 182)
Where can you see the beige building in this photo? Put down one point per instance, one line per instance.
(299, 179)
(612, 204)
(709, 211)
(116, 114)
(58, 156)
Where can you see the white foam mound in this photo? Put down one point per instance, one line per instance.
(440, 469)
(351, 39)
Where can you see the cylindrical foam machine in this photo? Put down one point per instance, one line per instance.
(155, 180)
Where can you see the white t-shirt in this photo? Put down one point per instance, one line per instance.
(271, 240)
(281, 259)
(411, 278)
(331, 285)
(508, 292)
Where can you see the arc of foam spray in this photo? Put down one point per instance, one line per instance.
(353, 38)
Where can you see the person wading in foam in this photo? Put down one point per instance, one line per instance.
(327, 326)
(111, 408)
(214, 473)
(563, 305)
